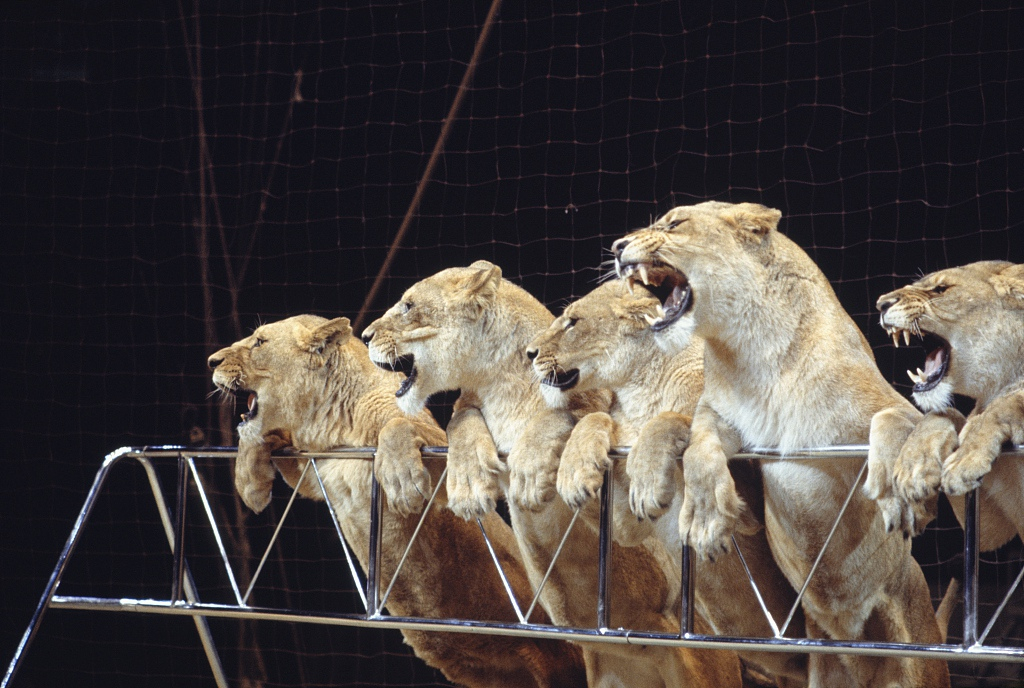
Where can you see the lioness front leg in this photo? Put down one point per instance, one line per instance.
(890, 429)
(585, 459)
(399, 466)
(254, 469)
(653, 462)
(473, 464)
(981, 441)
(711, 506)
(533, 461)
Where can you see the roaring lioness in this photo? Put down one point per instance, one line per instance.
(786, 367)
(971, 321)
(602, 341)
(467, 329)
(309, 383)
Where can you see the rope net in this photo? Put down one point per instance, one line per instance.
(175, 173)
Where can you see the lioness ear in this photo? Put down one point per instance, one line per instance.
(1010, 282)
(317, 340)
(754, 218)
(482, 285)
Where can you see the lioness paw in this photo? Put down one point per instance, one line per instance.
(473, 483)
(917, 472)
(532, 482)
(964, 470)
(399, 467)
(653, 463)
(584, 460)
(710, 515)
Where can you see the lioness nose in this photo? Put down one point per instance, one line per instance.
(213, 362)
(885, 303)
(618, 246)
(531, 354)
(366, 336)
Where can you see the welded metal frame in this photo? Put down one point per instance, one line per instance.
(184, 598)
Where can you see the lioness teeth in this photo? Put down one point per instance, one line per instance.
(661, 312)
(895, 339)
(629, 286)
(914, 378)
(643, 274)
(650, 319)
(906, 337)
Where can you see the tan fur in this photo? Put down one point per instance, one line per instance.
(467, 329)
(605, 336)
(786, 367)
(317, 389)
(978, 309)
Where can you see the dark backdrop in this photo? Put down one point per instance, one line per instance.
(171, 177)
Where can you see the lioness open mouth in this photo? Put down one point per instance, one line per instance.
(403, 364)
(562, 381)
(936, 363)
(667, 285)
(251, 401)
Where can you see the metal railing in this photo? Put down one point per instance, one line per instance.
(184, 599)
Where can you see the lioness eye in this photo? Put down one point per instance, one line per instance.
(259, 342)
(940, 288)
(570, 322)
(406, 306)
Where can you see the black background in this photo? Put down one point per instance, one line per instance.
(889, 134)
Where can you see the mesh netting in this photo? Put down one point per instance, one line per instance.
(173, 174)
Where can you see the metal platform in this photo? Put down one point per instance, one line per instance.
(185, 599)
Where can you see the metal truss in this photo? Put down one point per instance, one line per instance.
(184, 598)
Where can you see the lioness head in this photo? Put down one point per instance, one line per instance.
(596, 342)
(278, 373)
(438, 333)
(971, 322)
(704, 254)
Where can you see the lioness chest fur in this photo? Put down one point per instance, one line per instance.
(468, 329)
(785, 367)
(310, 384)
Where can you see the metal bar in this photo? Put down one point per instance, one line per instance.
(501, 573)
(341, 536)
(615, 636)
(971, 551)
(202, 627)
(999, 610)
(842, 451)
(373, 574)
(824, 546)
(273, 538)
(604, 553)
(686, 590)
(551, 566)
(62, 561)
(412, 539)
(216, 531)
(757, 592)
(178, 546)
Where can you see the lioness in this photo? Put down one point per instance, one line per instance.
(467, 329)
(308, 382)
(602, 341)
(971, 320)
(786, 367)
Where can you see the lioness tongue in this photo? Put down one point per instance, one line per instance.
(252, 400)
(933, 364)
